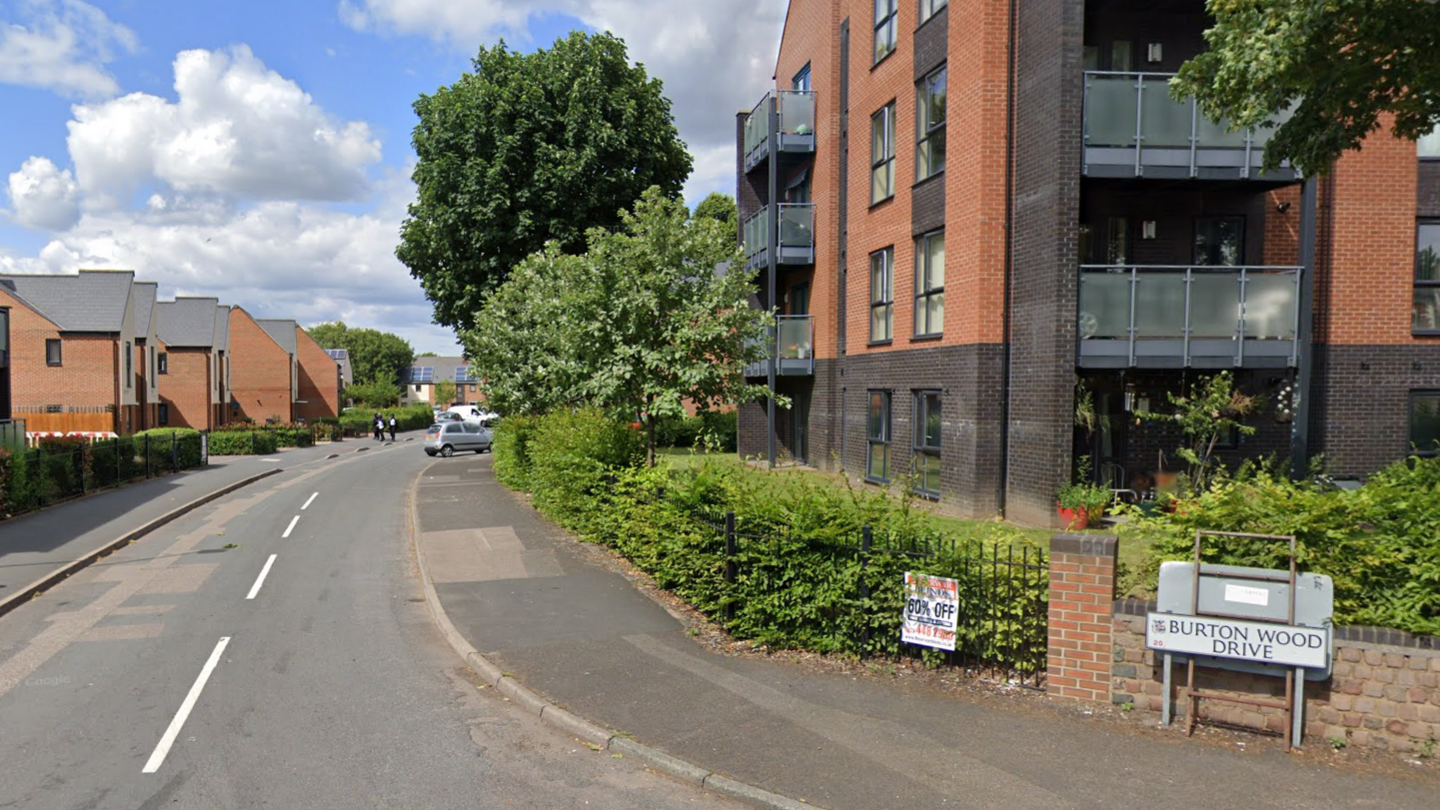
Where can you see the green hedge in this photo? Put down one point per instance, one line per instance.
(415, 417)
(63, 467)
(511, 450)
(712, 428)
(243, 442)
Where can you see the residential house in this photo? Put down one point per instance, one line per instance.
(418, 383)
(186, 366)
(948, 277)
(147, 353)
(70, 351)
(318, 379)
(220, 401)
(345, 371)
(263, 374)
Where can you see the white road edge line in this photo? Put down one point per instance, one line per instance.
(157, 758)
(254, 589)
(308, 501)
(291, 527)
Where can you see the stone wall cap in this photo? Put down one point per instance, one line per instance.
(1095, 545)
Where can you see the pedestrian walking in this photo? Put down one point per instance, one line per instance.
(378, 428)
(392, 427)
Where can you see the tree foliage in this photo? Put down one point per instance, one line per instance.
(528, 149)
(374, 393)
(721, 208)
(1346, 62)
(374, 355)
(446, 393)
(637, 325)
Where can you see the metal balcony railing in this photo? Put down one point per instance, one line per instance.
(795, 240)
(794, 353)
(795, 125)
(1133, 128)
(1163, 316)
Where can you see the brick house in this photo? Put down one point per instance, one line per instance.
(263, 375)
(70, 351)
(418, 384)
(220, 401)
(318, 379)
(186, 366)
(1085, 231)
(147, 353)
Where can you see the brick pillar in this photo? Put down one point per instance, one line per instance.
(1082, 592)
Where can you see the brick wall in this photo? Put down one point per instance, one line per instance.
(317, 379)
(1082, 589)
(185, 388)
(1361, 422)
(1384, 689)
(259, 371)
(85, 379)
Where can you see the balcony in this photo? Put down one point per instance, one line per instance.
(795, 349)
(794, 128)
(1188, 317)
(796, 236)
(1133, 128)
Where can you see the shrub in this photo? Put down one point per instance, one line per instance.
(169, 449)
(242, 442)
(512, 450)
(712, 429)
(569, 453)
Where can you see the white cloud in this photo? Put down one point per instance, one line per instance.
(62, 45)
(715, 57)
(44, 197)
(237, 130)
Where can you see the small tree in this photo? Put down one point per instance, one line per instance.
(1212, 409)
(374, 394)
(445, 392)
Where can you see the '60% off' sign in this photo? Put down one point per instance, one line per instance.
(931, 605)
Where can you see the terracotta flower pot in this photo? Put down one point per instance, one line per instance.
(1077, 518)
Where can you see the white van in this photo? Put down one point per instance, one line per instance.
(474, 414)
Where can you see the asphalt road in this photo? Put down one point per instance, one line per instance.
(296, 668)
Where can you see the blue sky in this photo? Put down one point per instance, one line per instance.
(260, 151)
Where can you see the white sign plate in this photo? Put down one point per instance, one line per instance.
(1247, 595)
(1245, 641)
(931, 606)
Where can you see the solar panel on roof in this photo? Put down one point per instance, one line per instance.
(462, 374)
(336, 354)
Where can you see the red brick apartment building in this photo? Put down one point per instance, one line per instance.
(186, 366)
(263, 378)
(948, 275)
(318, 379)
(68, 356)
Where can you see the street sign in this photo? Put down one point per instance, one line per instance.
(1246, 641)
(931, 607)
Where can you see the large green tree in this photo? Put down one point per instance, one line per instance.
(721, 208)
(374, 355)
(655, 313)
(1346, 63)
(527, 149)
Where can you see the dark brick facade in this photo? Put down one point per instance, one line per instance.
(927, 205)
(1360, 420)
(932, 43)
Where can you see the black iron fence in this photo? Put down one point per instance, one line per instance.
(56, 470)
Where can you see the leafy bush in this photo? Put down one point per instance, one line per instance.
(711, 428)
(571, 452)
(168, 449)
(243, 442)
(512, 450)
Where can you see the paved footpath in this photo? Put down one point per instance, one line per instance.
(534, 604)
(34, 545)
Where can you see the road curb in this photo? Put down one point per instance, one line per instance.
(48, 581)
(566, 721)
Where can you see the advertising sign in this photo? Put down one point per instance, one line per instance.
(931, 607)
(1247, 641)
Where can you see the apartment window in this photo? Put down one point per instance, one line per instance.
(162, 413)
(1219, 241)
(1425, 313)
(1428, 146)
(129, 366)
(882, 295)
(930, 123)
(52, 352)
(474, 388)
(163, 363)
(929, 8)
(802, 79)
(930, 285)
(927, 443)
(884, 28)
(877, 457)
(882, 154)
(1425, 422)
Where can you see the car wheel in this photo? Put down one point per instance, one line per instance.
(447, 451)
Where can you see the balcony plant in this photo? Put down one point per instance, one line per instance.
(1082, 502)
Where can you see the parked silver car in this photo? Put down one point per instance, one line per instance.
(446, 438)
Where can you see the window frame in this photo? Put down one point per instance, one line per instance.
(886, 301)
(884, 440)
(924, 290)
(886, 160)
(162, 360)
(1418, 284)
(888, 23)
(929, 133)
(162, 413)
(802, 79)
(933, 7)
(129, 365)
(1416, 395)
(58, 345)
(920, 447)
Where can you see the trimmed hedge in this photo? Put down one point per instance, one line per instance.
(712, 428)
(63, 467)
(414, 417)
(243, 442)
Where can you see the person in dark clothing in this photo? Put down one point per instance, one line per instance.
(379, 427)
(392, 427)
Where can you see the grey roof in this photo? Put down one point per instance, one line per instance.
(188, 322)
(90, 301)
(281, 330)
(144, 303)
(222, 328)
(346, 372)
(442, 369)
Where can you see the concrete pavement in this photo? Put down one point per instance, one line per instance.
(551, 617)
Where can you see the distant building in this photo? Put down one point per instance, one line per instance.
(418, 384)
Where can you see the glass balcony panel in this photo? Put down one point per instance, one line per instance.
(1214, 305)
(1270, 305)
(1263, 133)
(1213, 134)
(1160, 304)
(1110, 111)
(1163, 120)
(797, 113)
(1425, 314)
(754, 233)
(1105, 304)
(797, 225)
(795, 336)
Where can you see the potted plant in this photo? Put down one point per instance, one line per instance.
(1082, 502)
